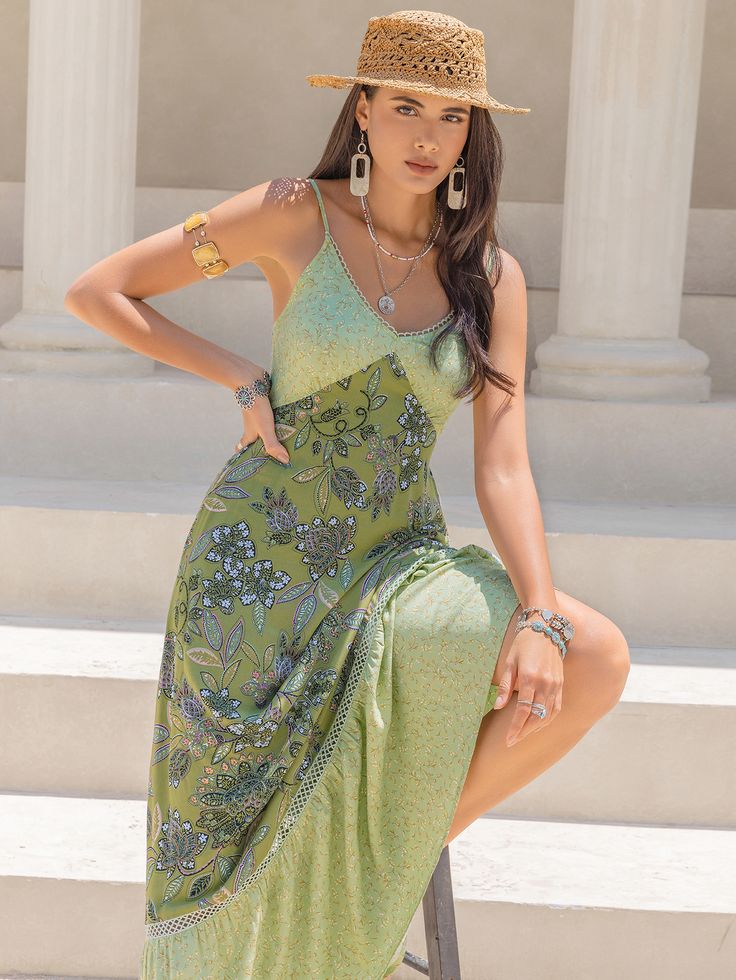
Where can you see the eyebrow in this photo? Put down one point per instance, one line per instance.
(448, 108)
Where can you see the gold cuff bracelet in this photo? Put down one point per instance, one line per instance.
(205, 253)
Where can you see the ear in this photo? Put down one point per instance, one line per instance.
(361, 111)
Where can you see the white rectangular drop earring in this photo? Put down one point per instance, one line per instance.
(359, 182)
(455, 193)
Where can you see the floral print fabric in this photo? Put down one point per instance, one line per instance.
(278, 573)
(282, 571)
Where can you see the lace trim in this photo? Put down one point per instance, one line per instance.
(168, 927)
(399, 333)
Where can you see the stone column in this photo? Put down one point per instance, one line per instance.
(631, 135)
(79, 180)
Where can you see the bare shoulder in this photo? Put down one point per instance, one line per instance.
(335, 190)
(509, 290)
(269, 223)
(345, 213)
(505, 271)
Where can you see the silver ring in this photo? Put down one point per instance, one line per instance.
(538, 708)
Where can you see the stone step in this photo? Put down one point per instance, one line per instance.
(173, 426)
(580, 899)
(674, 703)
(72, 871)
(49, 976)
(110, 549)
(585, 900)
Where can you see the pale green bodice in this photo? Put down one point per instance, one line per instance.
(328, 330)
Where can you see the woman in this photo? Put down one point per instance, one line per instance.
(323, 724)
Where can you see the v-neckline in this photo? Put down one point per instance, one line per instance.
(328, 239)
(369, 306)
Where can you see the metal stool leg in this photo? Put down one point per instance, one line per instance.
(439, 927)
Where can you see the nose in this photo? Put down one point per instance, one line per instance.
(427, 142)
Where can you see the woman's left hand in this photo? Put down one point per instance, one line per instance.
(534, 669)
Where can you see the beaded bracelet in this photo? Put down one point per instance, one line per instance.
(557, 627)
(245, 395)
(205, 253)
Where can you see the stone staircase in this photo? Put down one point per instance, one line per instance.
(619, 859)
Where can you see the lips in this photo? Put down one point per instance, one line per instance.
(420, 167)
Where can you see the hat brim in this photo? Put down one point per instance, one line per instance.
(346, 81)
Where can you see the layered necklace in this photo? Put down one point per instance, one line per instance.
(386, 304)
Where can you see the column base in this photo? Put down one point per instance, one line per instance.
(625, 369)
(58, 343)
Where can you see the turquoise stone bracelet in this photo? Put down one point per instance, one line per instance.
(564, 631)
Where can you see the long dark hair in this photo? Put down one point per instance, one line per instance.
(461, 261)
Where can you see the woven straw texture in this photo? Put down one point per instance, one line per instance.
(422, 51)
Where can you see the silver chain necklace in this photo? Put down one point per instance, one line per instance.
(385, 303)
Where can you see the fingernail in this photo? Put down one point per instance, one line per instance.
(499, 702)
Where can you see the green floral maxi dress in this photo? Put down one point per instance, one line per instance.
(326, 665)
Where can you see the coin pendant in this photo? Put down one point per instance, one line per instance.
(386, 304)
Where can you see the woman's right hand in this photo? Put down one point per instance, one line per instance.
(258, 421)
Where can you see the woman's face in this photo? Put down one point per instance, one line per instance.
(413, 126)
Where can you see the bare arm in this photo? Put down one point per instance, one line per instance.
(504, 484)
(110, 295)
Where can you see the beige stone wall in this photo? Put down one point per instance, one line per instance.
(224, 104)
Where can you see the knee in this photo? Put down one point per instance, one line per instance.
(614, 662)
(602, 664)
(601, 657)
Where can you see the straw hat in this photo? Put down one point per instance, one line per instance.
(422, 51)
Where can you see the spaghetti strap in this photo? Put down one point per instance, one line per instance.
(491, 261)
(321, 204)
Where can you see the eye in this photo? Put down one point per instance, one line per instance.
(411, 109)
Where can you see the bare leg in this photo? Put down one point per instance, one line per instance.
(596, 668)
